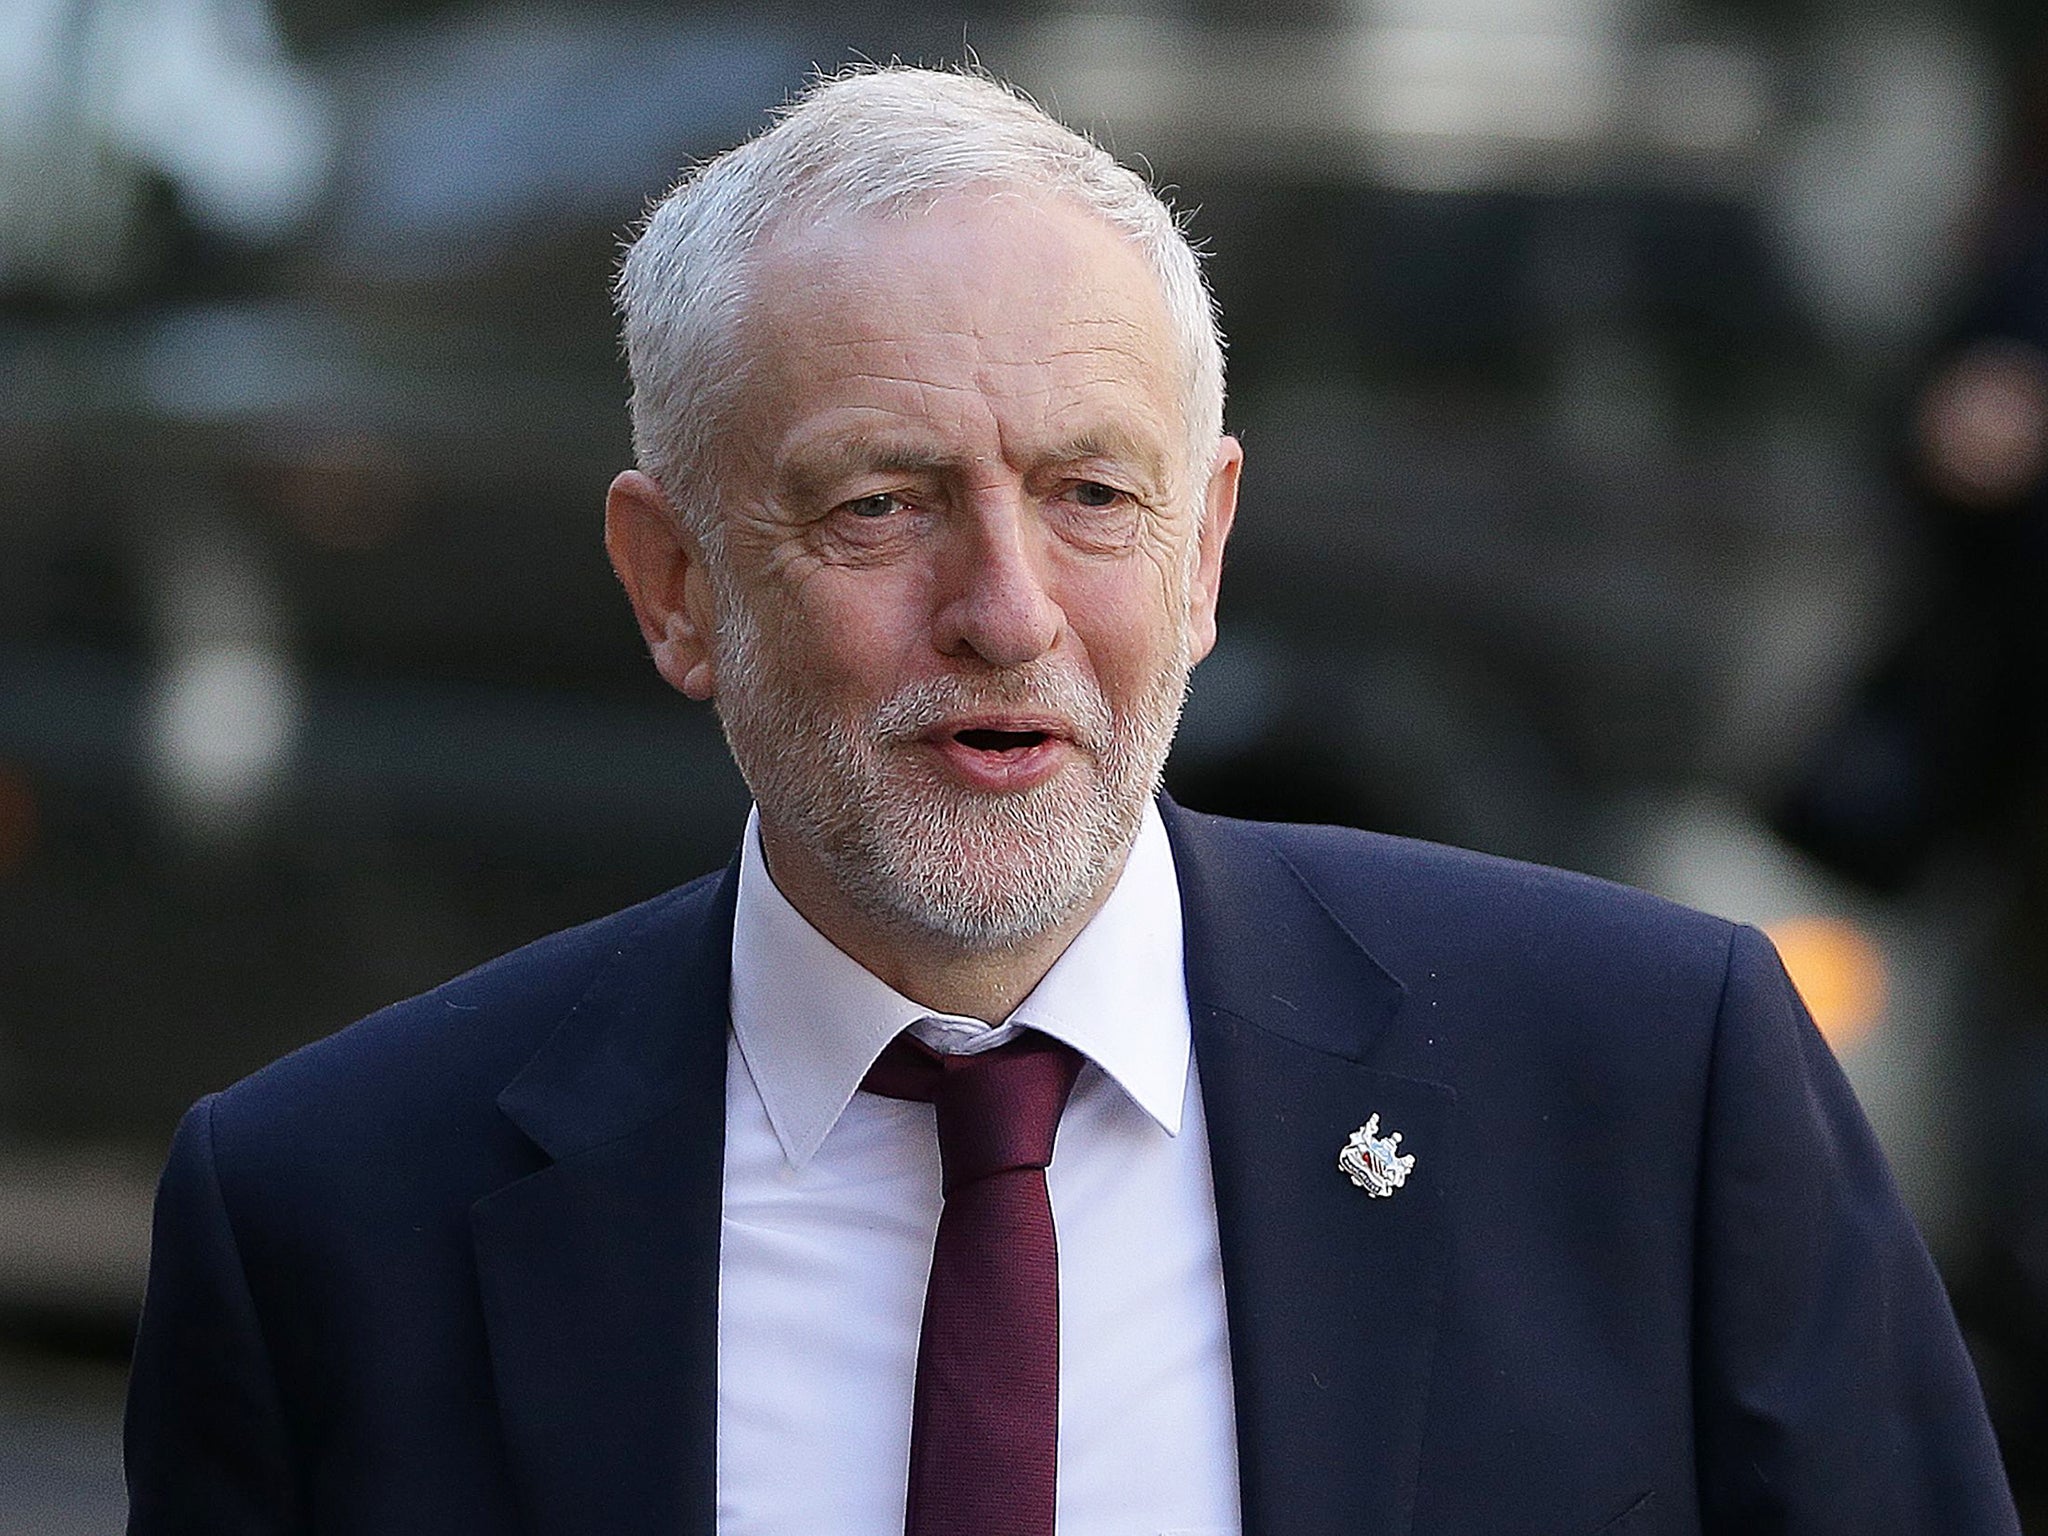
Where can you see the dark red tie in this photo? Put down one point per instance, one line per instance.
(984, 1424)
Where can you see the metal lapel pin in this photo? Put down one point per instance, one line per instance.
(1374, 1162)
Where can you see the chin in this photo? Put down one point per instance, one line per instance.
(986, 871)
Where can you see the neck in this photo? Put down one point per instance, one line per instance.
(934, 970)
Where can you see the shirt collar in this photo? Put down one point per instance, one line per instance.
(810, 1020)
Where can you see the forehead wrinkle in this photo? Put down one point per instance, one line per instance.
(943, 375)
(1130, 334)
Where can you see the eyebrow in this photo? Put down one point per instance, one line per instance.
(814, 466)
(1107, 443)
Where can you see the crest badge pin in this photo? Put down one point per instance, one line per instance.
(1373, 1162)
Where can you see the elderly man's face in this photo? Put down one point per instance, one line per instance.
(967, 564)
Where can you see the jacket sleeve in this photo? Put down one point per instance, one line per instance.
(207, 1450)
(1833, 1393)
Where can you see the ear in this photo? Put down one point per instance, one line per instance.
(1219, 511)
(663, 572)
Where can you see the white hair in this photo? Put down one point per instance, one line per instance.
(865, 141)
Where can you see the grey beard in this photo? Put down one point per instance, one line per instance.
(917, 853)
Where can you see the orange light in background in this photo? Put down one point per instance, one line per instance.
(1839, 972)
(17, 819)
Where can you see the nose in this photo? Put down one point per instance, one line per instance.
(994, 601)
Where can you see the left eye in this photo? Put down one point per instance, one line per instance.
(1093, 493)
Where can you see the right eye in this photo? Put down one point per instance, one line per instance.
(881, 504)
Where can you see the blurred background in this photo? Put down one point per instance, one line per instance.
(1647, 416)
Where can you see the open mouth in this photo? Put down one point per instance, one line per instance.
(1003, 755)
(1000, 741)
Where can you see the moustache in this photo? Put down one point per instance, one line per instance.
(1050, 691)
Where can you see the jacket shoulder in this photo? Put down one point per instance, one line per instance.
(1522, 969)
(1394, 884)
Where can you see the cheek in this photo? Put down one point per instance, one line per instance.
(1132, 627)
(852, 628)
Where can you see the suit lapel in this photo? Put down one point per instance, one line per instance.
(599, 1273)
(1332, 1295)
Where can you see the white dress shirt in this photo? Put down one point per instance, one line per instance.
(832, 1200)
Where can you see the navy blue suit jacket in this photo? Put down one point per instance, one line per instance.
(455, 1269)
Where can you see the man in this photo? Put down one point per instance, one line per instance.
(1396, 1189)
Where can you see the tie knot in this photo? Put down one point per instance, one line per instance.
(997, 1110)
